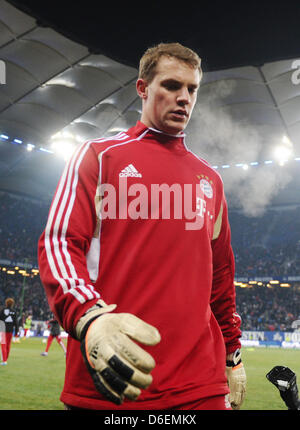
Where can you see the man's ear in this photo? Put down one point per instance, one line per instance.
(142, 88)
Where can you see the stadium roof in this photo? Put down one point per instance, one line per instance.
(70, 72)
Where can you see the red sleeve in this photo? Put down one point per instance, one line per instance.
(223, 299)
(64, 244)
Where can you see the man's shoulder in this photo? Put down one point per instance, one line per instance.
(105, 143)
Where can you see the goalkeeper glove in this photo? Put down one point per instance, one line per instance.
(118, 366)
(236, 377)
(286, 382)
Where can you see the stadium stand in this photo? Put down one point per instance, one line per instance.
(266, 248)
(265, 308)
(267, 245)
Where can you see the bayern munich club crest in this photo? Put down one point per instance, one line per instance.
(206, 187)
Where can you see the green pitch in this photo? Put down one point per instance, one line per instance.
(33, 382)
(261, 394)
(30, 381)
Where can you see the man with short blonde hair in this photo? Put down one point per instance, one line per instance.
(149, 304)
(149, 60)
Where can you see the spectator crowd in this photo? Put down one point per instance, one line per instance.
(268, 245)
(264, 246)
(265, 308)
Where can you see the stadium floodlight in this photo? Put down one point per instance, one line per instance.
(30, 147)
(19, 141)
(4, 136)
(64, 143)
(23, 272)
(282, 154)
(286, 140)
(64, 148)
(244, 166)
(284, 151)
(45, 150)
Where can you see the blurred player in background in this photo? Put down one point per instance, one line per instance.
(9, 323)
(54, 328)
(27, 325)
(17, 335)
(162, 282)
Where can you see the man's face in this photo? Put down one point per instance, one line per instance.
(169, 99)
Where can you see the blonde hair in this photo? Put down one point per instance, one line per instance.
(150, 58)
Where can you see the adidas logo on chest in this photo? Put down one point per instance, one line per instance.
(130, 171)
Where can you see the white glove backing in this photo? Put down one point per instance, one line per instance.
(236, 377)
(118, 366)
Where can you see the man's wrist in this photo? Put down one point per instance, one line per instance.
(234, 358)
(90, 315)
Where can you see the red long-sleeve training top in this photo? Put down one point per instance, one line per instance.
(140, 221)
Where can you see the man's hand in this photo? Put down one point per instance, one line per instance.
(118, 366)
(237, 379)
